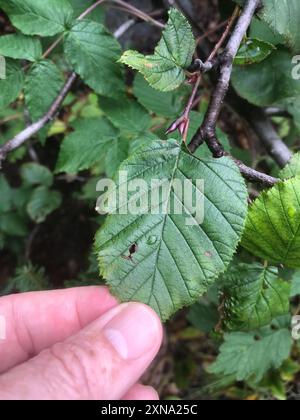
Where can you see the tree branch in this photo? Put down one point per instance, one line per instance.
(263, 128)
(207, 131)
(255, 176)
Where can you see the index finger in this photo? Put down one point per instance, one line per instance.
(32, 322)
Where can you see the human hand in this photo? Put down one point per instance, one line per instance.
(76, 344)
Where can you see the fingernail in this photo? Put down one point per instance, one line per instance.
(134, 331)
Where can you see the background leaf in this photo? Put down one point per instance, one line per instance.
(20, 47)
(86, 145)
(11, 86)
(252, 355)
(42, 85)
(42, 203)
(272, 79)
(39, 17)
(93, 53)
(253, 51)
(35, 174)
(165, 104)
(283, 16)
(127, 115)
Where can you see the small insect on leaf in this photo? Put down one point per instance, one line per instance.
(133, 249)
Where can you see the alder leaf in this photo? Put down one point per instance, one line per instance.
(21, 47)
(42, 85)
(39, 17)
(273, 224)
(179, 255)
(93, 53)
(86, 145)
(164, 70)
(253, 296)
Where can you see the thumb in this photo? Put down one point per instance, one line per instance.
(103, 361)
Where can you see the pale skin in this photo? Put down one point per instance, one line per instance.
(76, 344)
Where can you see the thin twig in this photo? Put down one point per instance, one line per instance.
(90, 9)
(225, 34)
(139, 13)
(211, 31)
(183, 122)
(277, 112)
(53, 46)
(124, 28)
(207, 131)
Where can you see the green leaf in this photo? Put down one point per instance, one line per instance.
(42, 203)
(2, 241)
(273, 225)
(179, 256)
(6, 194)
(86, 145)
(204, 316)
(142, 140)
(261, 30)
(253, 51)
(165, 104)
(35, 174)
(292, 169)
(271, 78)
(28, 278)
(93, 53)
(12, 224)
(164, 70)
(116, 153)
(39, 17)
(295, 289)
(252, 355)
(283, 17)
(20, 47)
(127, 115)
(80, 6)
(254, 296)
(11, 86)
(42, 85)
